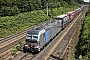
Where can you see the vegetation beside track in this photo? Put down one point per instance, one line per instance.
(13, 52)
(13, 7)
(83, 46)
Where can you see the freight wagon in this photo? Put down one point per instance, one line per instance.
(70, 16)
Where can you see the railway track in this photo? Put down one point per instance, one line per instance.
(25, 56)
(61, 52)
(56, 50)
(75, 34)
(59, 47)
(10, 41)
(28, 56)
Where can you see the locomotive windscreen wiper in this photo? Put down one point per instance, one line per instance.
(32, 41)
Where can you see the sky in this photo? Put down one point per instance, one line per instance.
(86, 0)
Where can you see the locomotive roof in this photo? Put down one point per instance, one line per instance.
(42, 27)
(61, 16)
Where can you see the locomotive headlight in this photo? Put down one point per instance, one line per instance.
(27, 37)
(26, 45)
(36, 46)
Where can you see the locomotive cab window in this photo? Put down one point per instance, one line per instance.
(59, 18)
(29, 36)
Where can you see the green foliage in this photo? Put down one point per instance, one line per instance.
(14, 24)
(9, 11)
(19, 47)
(13, 7)
(13, 50)
(87, 56)
(82, 45)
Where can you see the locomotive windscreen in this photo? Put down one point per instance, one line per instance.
(33, 32)
(59, 18)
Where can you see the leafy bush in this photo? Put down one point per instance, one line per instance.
(14, 24)
(13, 51)
(82, 46)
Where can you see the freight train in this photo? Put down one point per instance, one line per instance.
(41, 35)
